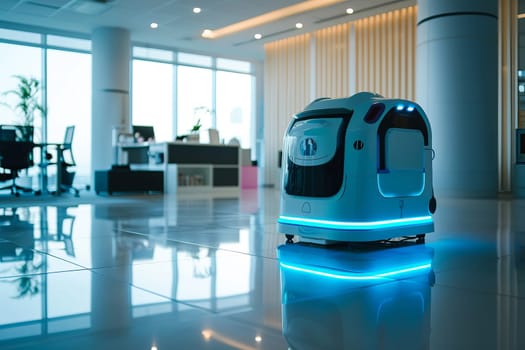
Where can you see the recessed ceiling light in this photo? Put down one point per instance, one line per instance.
(207, 33)
(349, 11)
(197, 10)
(90, 7)
(154, 25)
(207, 334)
(298, 25)
(257, 36)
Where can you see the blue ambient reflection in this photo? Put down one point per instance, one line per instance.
(348, 296)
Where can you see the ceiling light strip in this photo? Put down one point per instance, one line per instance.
(266, 36)
(268, 17)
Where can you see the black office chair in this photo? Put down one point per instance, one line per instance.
(67, 160)
(14, 157)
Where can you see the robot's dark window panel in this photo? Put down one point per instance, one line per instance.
(375, 111)
(314, 156)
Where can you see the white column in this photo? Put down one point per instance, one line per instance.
(457, 86)
(111, 50)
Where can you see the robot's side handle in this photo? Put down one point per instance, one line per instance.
(432, 203)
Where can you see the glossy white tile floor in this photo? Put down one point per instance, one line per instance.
(167, 273)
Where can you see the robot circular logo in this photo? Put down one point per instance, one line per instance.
(358, 145)
(308, 147)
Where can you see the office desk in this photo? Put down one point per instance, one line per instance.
(132, 172)
(44, 150)
(194, 167)
(124, 179)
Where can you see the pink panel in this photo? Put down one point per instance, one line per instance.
(249, 177)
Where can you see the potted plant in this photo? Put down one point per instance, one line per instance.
(27, 104)
(198, 114)
(196, 127)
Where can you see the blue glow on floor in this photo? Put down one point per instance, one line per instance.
(355, 225)
(352, 276)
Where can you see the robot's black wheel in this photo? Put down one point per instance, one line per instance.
(289, 238)
(432, 205)
(432, 278)
(420, 238)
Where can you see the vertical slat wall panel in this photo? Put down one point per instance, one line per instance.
(385, 61)
(378, 54)
(411, 48)
(385, 49)
(286, 92)
(332, 54)
(399, 59)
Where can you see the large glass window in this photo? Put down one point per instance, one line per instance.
(18, 35)
(194, 98)
(194, 60)
(153, 97)
(17, 60)
(24, 61)
(69, 103)
(153, 54)
(221, 98)
(214, 92)
(234, 107)
(234, 65)
(70, 43)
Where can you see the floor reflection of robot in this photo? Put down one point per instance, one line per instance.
(358, 297)
(357, 169)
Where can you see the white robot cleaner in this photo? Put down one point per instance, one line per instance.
(357, 169)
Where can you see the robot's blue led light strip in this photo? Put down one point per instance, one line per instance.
(352, 276)
(355, 225)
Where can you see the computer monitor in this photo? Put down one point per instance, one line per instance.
(143, 133)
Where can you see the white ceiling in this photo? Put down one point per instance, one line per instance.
(178, 27)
